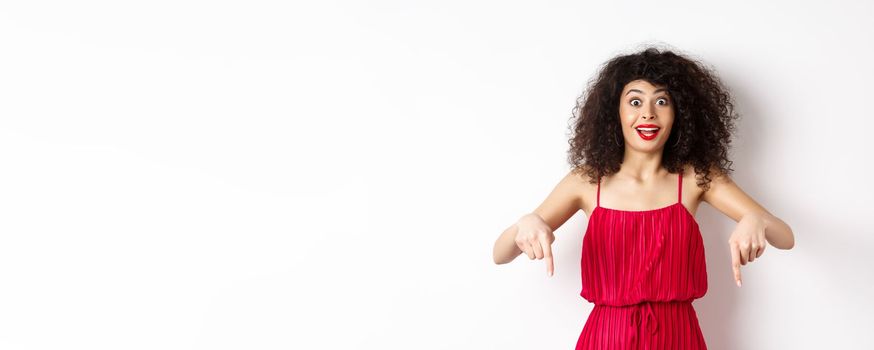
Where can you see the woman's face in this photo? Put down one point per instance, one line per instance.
(643, 105)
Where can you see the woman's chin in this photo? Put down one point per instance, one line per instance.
(648, 147)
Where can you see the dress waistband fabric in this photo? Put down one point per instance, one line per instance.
(643, 320)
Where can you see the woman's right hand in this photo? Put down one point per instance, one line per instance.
(534, 238)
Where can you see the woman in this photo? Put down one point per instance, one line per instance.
(643, 267)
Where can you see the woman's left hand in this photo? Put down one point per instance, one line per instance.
(747, 242)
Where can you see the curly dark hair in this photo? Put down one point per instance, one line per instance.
(703, 121)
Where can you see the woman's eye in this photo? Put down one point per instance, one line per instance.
(636, 102)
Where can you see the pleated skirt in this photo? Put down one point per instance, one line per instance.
(647, 325)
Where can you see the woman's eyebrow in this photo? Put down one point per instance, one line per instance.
(638, 91)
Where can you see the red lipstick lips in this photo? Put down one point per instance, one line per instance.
(648, 131)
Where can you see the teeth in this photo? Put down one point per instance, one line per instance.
(647, 129)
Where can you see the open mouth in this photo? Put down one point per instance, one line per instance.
(648, 133)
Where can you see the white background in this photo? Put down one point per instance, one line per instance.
(332, 175)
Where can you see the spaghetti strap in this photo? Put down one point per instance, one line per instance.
(680, 188)
(598, 201)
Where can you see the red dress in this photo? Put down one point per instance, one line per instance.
(642, 269)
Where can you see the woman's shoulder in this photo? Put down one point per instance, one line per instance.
(581, 177)
(584, 186)
(691, 179)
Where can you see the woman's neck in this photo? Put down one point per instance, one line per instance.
(642, 166)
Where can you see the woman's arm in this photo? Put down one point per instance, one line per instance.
(559, 206)
(725, 195)
(505, 249)
(755, 225)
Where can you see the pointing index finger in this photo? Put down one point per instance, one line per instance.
(735, 263)
(547, 255)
